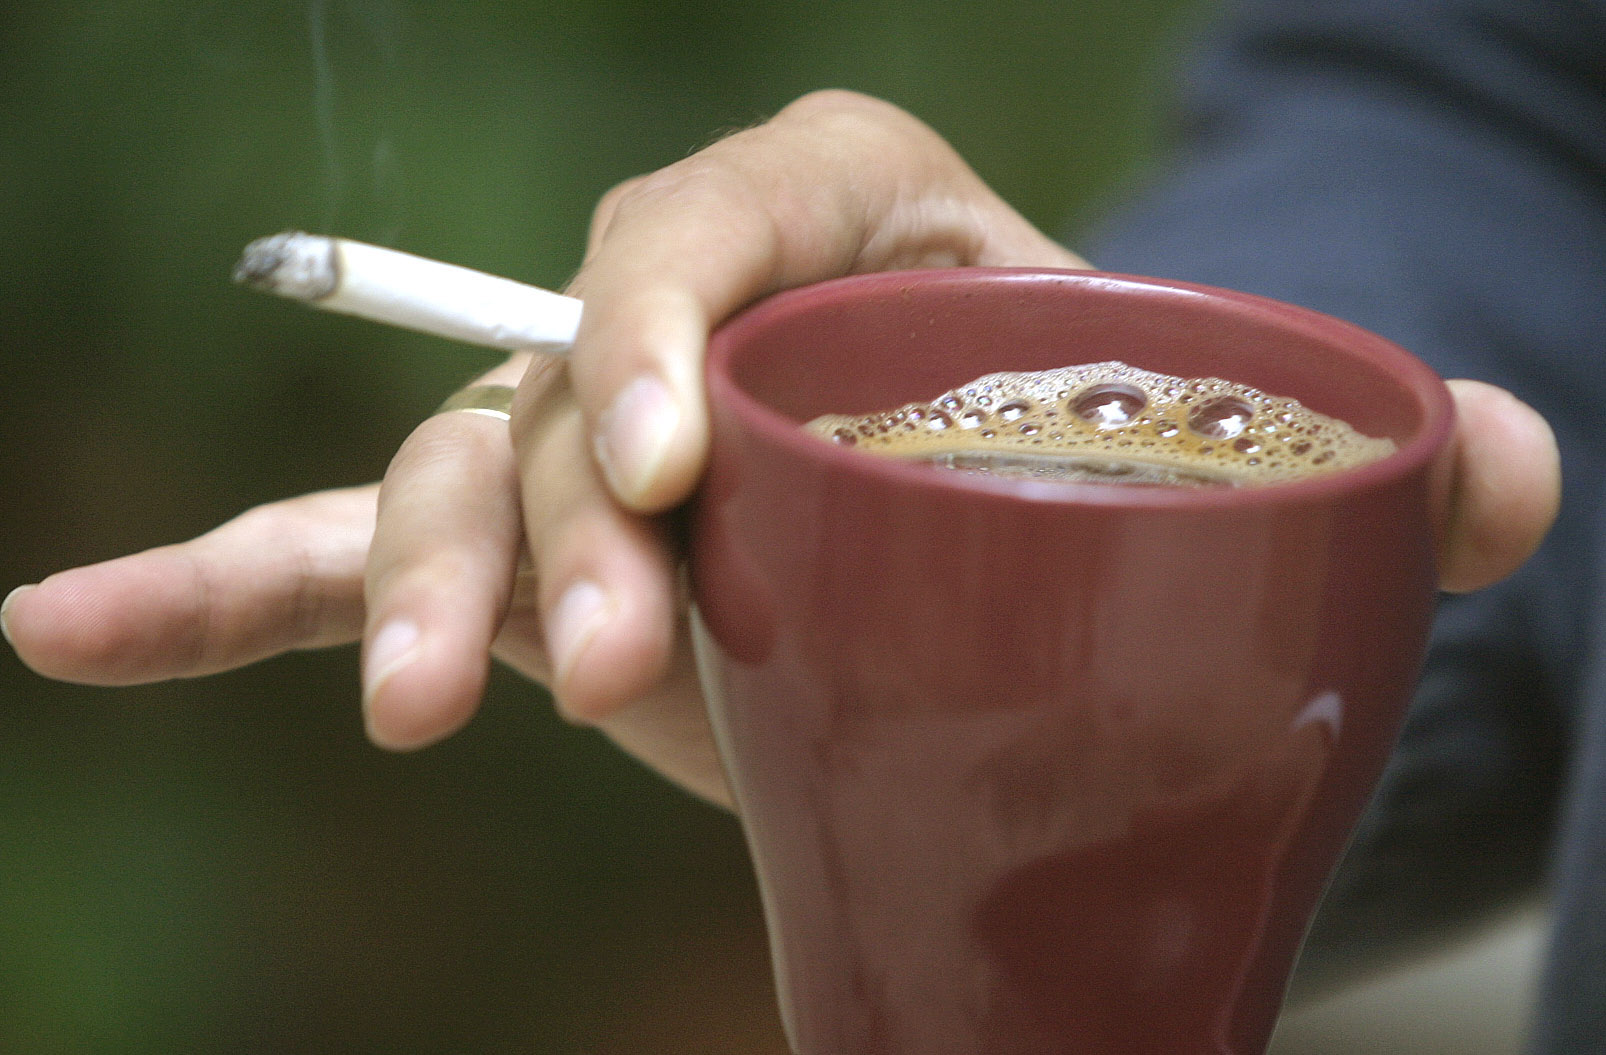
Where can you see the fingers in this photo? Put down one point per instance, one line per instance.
(606, 580)
(280, 577)
(1503, 488)
(665, 727)
(836, 183)
(607, 610)
(440, 575)
(620, 659)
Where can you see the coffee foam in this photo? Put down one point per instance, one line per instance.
(1110, 422)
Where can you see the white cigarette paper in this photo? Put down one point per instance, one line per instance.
(385, 285)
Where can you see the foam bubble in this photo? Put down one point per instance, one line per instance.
(1110, 422)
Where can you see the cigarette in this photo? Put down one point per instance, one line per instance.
(354, 278)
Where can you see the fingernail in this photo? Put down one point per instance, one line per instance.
(394, 647)
(634, 435)
(5, 606)
(580, 612)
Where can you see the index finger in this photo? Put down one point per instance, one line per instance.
(835, 184)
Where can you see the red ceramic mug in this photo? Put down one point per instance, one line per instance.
(1031, 768)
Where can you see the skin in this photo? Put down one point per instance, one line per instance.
(541, 544)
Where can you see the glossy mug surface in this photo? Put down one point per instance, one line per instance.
(1031, 768)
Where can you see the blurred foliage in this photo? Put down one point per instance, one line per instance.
(225, 865)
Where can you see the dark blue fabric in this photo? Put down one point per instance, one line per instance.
(1435, 170)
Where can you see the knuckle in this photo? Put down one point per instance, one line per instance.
(292, 530)
(830, 101)
(440, 445)
(198, 640)
(272, 524)
(703, 180)
(608, 204)
(619, 190)
(841, 111)
(729, 198)
(426, 446)
(707, 184)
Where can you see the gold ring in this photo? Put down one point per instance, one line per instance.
(494, 401)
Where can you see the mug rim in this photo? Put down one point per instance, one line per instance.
(1415, 376)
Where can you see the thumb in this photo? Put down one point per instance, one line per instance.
(1502, 490)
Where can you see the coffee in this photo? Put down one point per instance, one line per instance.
(1112, 423)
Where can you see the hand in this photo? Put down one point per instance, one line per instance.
(547, 550)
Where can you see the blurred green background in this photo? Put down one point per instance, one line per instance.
(225, 865)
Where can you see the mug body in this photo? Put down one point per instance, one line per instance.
(1026, 767)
